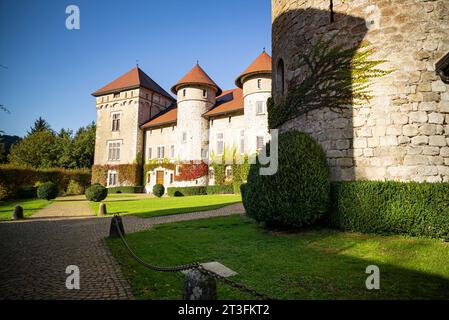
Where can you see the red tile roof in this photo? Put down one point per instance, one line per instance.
(230, 101)
(262, 64)
(168, 117)
(196, 76)
(135, 78)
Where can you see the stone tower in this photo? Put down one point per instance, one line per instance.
(196, 93)
(122, 106)
(256, 84)
(402, 133)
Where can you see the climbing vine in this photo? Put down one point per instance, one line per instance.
(335, 77)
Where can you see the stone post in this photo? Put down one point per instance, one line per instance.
(102, 210)
(18, 213)
(198, 286)
(113, 232)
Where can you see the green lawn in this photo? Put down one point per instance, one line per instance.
(152, 207)
(29, 207)
(320, 264)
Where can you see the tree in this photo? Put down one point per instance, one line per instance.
(6, 142)
(83, 146)
(39, 125)
(38, 150)
(43, 148)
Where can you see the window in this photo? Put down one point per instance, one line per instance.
(220, 143)
(171, 178)
(280, 82)
(116, 95)
(259, 83)
(114, 151)
(116, 122)
(211, 173)
(160, 152)
(172, 151)
(229, 119)
(260, 143)
(242, 141)
(260, 107)
(228, 172)
(112, 178)
(184, 137)
(150, 153)
(184, 92)
(204, 93)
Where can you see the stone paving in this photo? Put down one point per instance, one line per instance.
(34, 253)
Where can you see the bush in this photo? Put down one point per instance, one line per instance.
(47, 191)
(4, 191)
(74, 188)
(27, 192)
(298, 194)
(221, 189)
(186, 191)
(135, 189)
(96, 193)
(158, 190)
(16, 177)
(416, 209)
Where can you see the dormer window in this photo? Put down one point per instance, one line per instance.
(442, 68)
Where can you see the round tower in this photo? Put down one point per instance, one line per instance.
(402, 131)
(196, 93)
(256, 84)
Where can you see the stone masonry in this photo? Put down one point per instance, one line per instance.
(403, 132)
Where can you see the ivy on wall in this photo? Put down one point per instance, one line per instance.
(334, 77)
(128, 174)
(239, 164)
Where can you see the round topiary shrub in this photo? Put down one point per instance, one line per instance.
(298, 194)
(47, 190)
(158, 190)
(96, 193)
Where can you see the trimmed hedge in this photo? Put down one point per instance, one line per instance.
(199, 191)
(221, 189)
(96, 193)
(27, 192)
(135, 189)
(14, 177)
(416, 209)
(186, 191)
(298, 194)
(158, 190)
(47, 191)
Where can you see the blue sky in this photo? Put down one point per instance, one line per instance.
(51, 71)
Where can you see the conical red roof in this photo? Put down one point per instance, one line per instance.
(134, 78)
(262, 64)
(196, 76)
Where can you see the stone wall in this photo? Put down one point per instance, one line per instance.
(403, 132)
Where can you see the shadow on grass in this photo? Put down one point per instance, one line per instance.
(173, 211)
(322, 264)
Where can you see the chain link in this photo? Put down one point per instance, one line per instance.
(189, 266)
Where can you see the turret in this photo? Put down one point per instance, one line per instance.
(256, 84)
(196, 93)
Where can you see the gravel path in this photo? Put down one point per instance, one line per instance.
(34, 253)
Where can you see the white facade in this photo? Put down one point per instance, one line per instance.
(142, 124)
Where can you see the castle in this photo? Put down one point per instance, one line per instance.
(139, 123)
(402, 132)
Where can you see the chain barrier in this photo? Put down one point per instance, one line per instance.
(189, 266)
